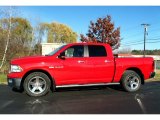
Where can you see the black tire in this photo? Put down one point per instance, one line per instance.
(37, 84)
(131, 81)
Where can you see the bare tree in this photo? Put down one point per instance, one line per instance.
(9, 15)
(37, 34)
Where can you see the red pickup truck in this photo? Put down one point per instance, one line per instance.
(78, 64)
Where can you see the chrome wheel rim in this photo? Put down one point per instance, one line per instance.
(37, 85)
(133, 82)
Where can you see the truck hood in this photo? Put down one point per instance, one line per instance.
(29, 59)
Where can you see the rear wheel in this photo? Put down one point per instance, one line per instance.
(37, 84)
(131, 81)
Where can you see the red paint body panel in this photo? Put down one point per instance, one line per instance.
(90, 70)
(143, 64)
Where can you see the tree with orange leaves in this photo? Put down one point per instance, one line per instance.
(103, 30)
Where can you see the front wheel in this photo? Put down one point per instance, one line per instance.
(131, 81)
(37, 84)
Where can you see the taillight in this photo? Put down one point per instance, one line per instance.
(153, 65)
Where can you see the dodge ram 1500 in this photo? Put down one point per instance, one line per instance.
(78, 64)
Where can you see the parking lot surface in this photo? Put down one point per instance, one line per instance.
(83, 100)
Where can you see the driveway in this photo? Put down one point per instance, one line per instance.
(83, 100)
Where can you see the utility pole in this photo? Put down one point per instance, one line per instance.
(145, 34)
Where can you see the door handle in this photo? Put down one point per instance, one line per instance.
(107, 61)
(80, 61)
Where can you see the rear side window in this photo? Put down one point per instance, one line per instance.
(97, 51)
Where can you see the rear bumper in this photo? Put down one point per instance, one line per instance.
(14, 82)
(152, 74)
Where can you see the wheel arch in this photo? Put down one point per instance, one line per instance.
(139, 72)
(39, 70)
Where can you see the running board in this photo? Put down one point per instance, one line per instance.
(76, 85)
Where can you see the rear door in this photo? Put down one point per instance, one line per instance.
(101, 64)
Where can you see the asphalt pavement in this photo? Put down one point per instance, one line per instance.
(83, 100)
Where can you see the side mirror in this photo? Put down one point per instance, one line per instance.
(62, 56)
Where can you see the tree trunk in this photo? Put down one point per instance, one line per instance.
(8, 38)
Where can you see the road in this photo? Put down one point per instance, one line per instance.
(84, 100)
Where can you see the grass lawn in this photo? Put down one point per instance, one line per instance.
(157, 77)
(3, 78)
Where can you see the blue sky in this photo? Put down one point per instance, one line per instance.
(128, 18)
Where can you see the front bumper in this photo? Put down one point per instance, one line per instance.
(14, 82)
(152, 74)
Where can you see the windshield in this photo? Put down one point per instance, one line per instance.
(56, 50)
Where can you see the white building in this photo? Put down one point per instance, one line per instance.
(49, 47)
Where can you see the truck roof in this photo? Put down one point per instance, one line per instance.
(84, 43)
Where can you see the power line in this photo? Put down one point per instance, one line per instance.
(151, 39)
(154, 39)
(137, 26)
(130, 28)
(141, 43)
(132, 42)
(140, 40)
(154, 42)
(136, 43)
(138, 33)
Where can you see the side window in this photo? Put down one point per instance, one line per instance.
(75, 51)
(97, 51)
(69, 52)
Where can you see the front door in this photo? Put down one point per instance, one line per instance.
(73, 67)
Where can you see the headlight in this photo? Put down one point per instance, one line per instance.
(15, 68)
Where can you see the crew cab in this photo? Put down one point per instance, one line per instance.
(78, 64)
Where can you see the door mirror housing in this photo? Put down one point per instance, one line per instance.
(62, 56)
